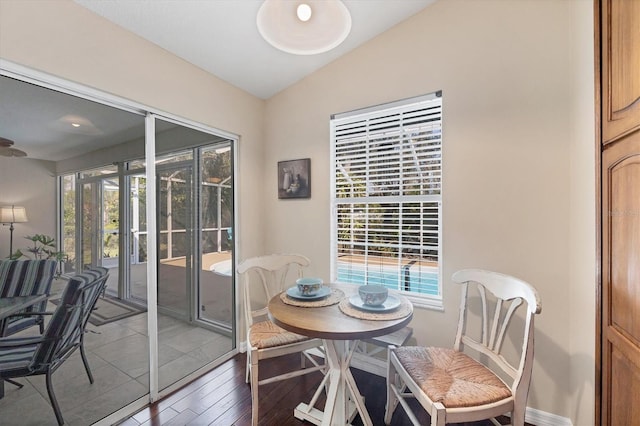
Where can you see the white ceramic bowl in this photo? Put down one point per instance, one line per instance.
(373, 295)
(309, 286)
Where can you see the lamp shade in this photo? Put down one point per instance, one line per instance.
(13, 214)
(304, 27)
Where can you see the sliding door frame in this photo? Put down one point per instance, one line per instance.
(38, 78)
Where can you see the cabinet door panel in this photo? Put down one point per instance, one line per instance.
(620, 68)
(624, 390)
(620, 279)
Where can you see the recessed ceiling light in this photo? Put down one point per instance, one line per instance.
(75, 124)
(282, 24)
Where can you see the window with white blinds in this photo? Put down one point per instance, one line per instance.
(386, 196)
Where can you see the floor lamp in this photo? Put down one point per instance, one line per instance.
(10, 215)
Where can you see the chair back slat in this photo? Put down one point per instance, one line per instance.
(513, 306)
(495, 323)
(485, 314)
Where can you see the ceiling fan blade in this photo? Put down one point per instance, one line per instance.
(11, 152)
(5, 143)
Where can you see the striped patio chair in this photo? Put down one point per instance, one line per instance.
(42, 355)
(26, 278)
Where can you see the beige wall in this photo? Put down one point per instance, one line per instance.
(518, 162)
(518, 130)
(66, 40)
(31, 184)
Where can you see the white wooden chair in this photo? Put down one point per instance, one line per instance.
(451, 385)
(262, 278)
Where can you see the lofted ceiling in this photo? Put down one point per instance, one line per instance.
(219, 36)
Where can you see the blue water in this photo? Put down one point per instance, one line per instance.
(417, 281)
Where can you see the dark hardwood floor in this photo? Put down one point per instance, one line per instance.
(221, 397)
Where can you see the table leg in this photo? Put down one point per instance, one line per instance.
(343, 397)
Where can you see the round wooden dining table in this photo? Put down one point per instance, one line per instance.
(340, 333)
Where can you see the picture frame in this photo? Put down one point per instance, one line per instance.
(294, 178)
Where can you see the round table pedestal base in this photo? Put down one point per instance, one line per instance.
(343, 398)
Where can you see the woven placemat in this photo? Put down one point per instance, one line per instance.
(405, 308)
(333, 298)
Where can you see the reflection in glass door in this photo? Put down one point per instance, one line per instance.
(215, 289)
(110, 224)
(89, 224)
(136, 287)
(174, 203)
(100, 226)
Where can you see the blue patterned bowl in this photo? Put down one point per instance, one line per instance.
(308, 286)
(373, 295)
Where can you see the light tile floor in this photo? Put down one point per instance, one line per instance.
(118, 357)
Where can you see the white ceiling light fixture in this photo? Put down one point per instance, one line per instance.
(304, 27)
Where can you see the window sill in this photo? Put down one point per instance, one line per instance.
(425, 302)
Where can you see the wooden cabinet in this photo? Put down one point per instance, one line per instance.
(620, 50)
(618, 88)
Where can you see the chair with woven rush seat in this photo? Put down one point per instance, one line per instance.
(42, 355)
(451, 385)
(262, 278)
(26, 278)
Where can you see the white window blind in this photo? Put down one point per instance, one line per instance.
(386, 195)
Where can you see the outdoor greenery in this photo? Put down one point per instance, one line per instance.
(216, 206)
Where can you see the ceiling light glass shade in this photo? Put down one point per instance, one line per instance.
(13, 214)
(328, 26)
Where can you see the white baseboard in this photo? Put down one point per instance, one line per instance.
(542, 418)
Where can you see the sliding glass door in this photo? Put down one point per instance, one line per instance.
(106, 223)
(193, 190)
(139, 349)
(194, 245)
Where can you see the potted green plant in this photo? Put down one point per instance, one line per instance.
(44, 247)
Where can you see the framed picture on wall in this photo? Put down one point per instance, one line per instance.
(294, 178)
